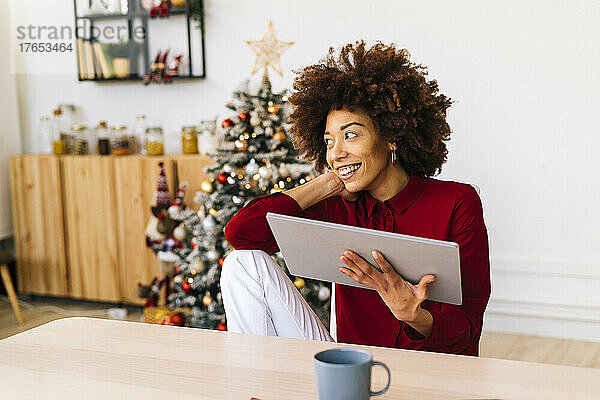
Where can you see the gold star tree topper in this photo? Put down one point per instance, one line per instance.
(268, 50)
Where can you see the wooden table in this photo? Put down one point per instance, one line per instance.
(86, 358)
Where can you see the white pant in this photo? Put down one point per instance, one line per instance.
(260, 299)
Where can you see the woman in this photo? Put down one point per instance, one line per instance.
(379, 126)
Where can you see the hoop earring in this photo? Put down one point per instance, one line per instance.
(393, 156)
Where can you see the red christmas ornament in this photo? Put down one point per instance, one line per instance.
(227, 123)
(185, 285)
(176, 319)
(243, 116)
(221, 261)
(222, 178)
(176, 269)
(222, 327)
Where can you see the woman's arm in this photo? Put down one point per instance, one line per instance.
(320, 188)
(249, 229)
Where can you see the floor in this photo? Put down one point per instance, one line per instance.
(39, 310)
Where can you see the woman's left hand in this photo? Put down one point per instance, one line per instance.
(402, 298)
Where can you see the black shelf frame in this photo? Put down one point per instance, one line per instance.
(136, 11)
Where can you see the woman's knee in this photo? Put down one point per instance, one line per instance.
(238, 257)
(240, 262)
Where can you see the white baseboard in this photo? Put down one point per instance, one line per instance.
(552, 298)
(549, 320)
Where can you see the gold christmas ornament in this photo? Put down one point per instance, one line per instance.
(299, 283)
(198, 266)
(254, 120)
(273, 109)
(279, 136)
(268, 50)
(207, 187)
(241, 145)
(207, 299)
(284, 170)
(179, 232)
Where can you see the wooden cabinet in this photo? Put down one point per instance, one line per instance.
(80, 221)
(135, 184)
(38, 225)
(91, 227)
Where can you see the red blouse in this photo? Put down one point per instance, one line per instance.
(426, 207)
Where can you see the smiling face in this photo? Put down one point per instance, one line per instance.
(356, 152)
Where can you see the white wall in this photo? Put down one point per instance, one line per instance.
(10, 138)
(525, 79)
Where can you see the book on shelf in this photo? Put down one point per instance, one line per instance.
(81, 58)
(92, 60)
(99, 53)
(90, 72)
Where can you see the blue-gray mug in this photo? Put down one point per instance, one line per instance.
(345, 374)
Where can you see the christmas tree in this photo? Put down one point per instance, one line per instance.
(257, 157)
(172, 234)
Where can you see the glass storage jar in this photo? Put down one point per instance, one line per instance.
(155, 141)
(103, 134)
(208, 141)
(120, 140)
(61, 136)
(140, 133)
(189, 140)
(78, 144)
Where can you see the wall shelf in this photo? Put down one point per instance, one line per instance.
(140, 38)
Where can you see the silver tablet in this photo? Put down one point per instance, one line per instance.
(312, 249)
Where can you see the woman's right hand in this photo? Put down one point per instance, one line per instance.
(338, 187)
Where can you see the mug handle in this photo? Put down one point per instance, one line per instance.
(388, 380)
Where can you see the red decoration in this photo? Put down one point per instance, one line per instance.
(161, 10)
(160, 71)
(176, 319)
(222, 178)
(227, 123)
(243, 116)
(185, 285)
(221, 261)
(222, 327)
(176, 269)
